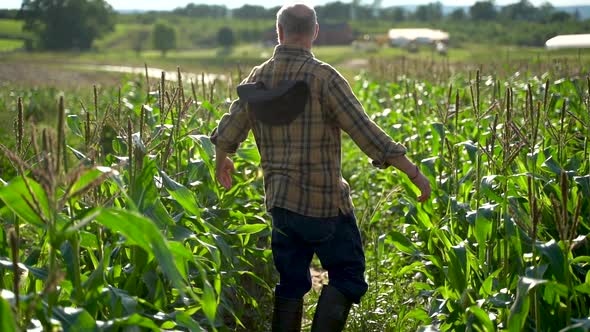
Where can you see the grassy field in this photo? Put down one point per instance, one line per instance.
(12, 29)
(125, 37)
(347, 58)
(10, 44)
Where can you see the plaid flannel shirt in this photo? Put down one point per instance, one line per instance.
(301, 161)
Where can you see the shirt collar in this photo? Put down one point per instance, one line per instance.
(282, 50)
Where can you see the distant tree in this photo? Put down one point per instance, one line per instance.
(275, 9)
(60, 25)
(9, 13)
(429, 12)
(522, 10)
(560, 16)
(357, 11)
(333, 11)
(200, 10)
(577, 16)
(140, 38)
(395, 14)
(146, 18)
(164, 37)
(251, 12)
(546, 13)
(483, 11)
(226, 38)
(457, 15)
(399, 14)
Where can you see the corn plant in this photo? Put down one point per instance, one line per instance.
(502, 245)
(128, 227)
(112, 218)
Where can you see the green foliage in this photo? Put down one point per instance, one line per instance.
(496, 248)
(254, 11)
(7, 322)
(126, 36)
(164, 37)
(67, 25)
(197, 26)
(202, 10)
(132, 245)
(8, 13)
(225, 37)
(483, 10)
(133, 230)
(339, 11)
(429, 12)
(10, 44)
(12, 29)
(521, 10)
(457, 15)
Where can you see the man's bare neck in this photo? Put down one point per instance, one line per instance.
(297, 43)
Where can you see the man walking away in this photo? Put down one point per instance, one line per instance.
(307, 197)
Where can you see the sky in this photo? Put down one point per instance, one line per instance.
(171, 4)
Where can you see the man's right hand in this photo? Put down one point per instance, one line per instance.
(413, 172)
(224, 168)
(223, 172)
(424, 185)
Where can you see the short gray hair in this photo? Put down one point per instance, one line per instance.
(297, 19)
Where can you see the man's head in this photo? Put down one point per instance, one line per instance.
(297, 24)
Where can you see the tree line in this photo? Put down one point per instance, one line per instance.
(75, 24)
(522, 10)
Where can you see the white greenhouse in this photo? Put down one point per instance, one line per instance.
(568, 41)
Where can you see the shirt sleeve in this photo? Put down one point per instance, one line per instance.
(234, 126)
(351, 117)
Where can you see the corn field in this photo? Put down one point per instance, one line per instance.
(112, 219)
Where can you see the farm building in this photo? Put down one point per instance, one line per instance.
(330, 34)
(568, 41)
(404, 37)
(335, 34)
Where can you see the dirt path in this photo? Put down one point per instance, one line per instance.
(82, 75)
(86, 75)
(356, 64)
(50, 75)
(319, 277)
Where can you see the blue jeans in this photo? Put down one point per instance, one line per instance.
(335, 240)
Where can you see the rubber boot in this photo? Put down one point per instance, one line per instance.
(331, 312)
(286, 315)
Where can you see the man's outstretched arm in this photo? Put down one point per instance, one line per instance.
(413, 172)
(375, 143)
